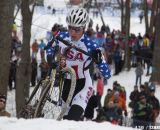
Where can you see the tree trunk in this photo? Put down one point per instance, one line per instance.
(127, 30)
(24, 69)
(146, 16)
(153, 15)
(156, 60)
(100, 13)
(123, 17)
(6, 21)
(121, 4)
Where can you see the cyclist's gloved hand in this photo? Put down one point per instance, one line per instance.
(66, 50)
(62, 62)
(97, 56)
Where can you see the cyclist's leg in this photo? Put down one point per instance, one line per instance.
(80, 83)
(79, 103)
(70, 113)
(80, 99)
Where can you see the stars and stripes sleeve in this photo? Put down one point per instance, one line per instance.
(103, 66)
(104, 69)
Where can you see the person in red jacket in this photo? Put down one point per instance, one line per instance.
(100, 88)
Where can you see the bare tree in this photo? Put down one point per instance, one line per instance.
(122, 7)
(153, 17)
(99, 10)
(24, 69)
(156, 60)
(146, 16)
(6, 21)
(18, 5)
(127, 30)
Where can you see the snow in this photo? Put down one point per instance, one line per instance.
(42, 22)
(49, 124)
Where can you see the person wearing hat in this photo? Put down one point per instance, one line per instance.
(142, 112)
(134, 96)
(3, 112)
(107, 98)
(155, 105)
(120, 102)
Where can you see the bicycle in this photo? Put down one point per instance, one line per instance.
(46, 97)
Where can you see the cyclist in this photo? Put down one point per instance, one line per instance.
(77, 20)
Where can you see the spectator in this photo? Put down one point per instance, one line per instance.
(112, 113)
(143, 90)
(44, 68)
(14, 30)
(107, 97)
(53, 11)
(121, 103)
(139, 73)
(41, 47)
(134, 97)
(117, 59)
(3, 112)
(34, 72)
(155, 106)
(141, 17)
(100, 87)
(97, 28)
(142, 113)
(34, 49)
(12, 72)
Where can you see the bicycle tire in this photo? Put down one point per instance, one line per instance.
(46, 94)
(34, 92)
(28, 110)
(41, 102)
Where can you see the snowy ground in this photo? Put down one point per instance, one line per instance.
(42, 22)
(46, 124)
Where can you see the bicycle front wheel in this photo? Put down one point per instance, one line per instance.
(50, 103)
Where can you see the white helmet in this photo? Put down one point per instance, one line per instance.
(78, 17)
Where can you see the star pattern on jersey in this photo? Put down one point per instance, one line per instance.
(92, 45)
(104, 69)
(63, 34)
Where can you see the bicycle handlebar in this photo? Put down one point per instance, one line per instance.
(67, 43)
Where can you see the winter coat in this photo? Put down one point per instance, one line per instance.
(112, 114)
(155, 107)
(121, 102)
(100, 87)
(139, 71)
(117, 56)
(107, 99)
(5, 113)
(35, 47)
(142, 111)
(134, 96)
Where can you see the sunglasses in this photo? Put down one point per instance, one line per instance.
(76, 29)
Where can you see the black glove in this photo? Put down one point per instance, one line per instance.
(125, 113)
(66, 50)
(97, 56)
